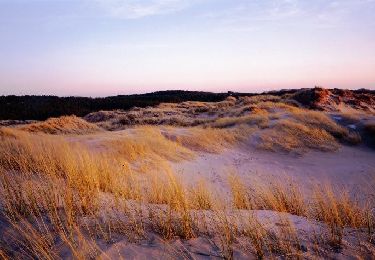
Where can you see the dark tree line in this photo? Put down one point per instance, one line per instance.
(43, 107)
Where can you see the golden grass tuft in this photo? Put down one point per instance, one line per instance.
(273, 107)
(317, 119)
(6, 132)
(62, 125)
(281, 196)
(241, 198)
(259, 98)
(255, 119)
(277, 196)
(201, 196)
(213, 140)
(338, 210)
(149, 143)
(287, 135)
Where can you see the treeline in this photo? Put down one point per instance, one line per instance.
(43, 107)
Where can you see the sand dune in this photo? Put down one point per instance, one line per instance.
(244, 178)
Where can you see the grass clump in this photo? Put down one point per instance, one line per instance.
(62, 125)
(173, 217)
(260, 120)
(147, 142)
(281, 197)
(350, 117)
(338, 210)
(201, 196)
(212, 140)
(273, 107)
(320, 120)
(277, 196)
(287, 135)
(333, 206)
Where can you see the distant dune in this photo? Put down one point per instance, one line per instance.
(43, 107)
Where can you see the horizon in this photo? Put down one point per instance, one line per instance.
(186, 90)
(120, 47)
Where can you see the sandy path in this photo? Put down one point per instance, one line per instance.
(350, 166)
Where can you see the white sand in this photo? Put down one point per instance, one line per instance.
(349, 166)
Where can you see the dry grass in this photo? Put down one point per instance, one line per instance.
(175, 219)
(8, 133)
(148, 142)
(261, 111)
(338, 210)
(259, 119)
(212, 140)
(54, 190)
(256, 234)
(56, 174)
(259, 98)
(351, 117)
(277, 196)
(190, 113)
(265, 112)
(62, 125)
(241, 198)
(50, 161)
(201, 196)
(320, 120)
(287, 135)
(273, 107)
(226, 229)
(264, 243)
(331, 205)
(282, 197)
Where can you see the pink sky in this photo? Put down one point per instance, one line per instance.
(99, 48)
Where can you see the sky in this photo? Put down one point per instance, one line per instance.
(110, 47)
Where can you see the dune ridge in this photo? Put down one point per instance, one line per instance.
(160, 182)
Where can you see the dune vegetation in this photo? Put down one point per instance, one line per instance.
(70, 189)
(61, 199)
(62, 125)
(267, 122)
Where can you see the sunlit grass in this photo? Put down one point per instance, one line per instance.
(62, 125)
(54, 189)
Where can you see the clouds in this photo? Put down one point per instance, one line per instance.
(134, 9)
(251, 15)
(189, 43)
